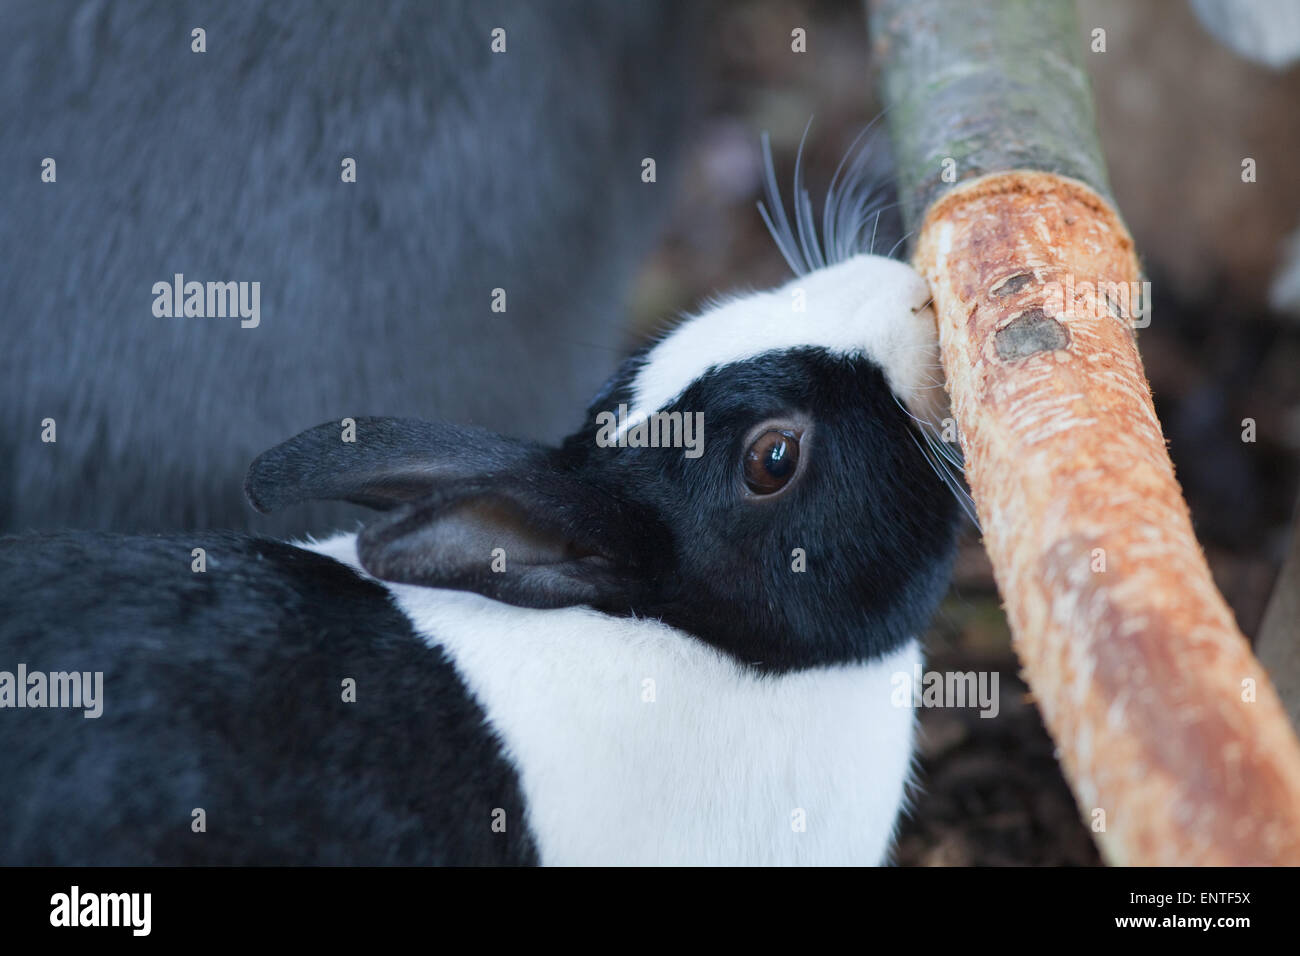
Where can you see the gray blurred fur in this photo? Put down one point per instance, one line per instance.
(475, 171)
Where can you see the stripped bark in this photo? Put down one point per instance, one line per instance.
(1169, 731)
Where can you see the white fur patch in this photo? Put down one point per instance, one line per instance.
(867, 305)
(721, 766)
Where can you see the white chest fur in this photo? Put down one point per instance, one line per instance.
(638, 744)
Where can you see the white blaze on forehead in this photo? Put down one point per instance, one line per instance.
(867, 305)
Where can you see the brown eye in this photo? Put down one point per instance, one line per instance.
(771, 461)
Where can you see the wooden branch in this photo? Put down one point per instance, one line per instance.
(1168, 728)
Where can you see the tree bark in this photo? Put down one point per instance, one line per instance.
(1172, 737)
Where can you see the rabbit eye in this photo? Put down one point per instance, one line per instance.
(772, 460)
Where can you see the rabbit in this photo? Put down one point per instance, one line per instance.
(227, 166)
(609, 651)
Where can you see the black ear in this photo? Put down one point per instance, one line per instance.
(561, 542)
(390, 462)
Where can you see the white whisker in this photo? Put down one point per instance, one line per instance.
(857, 197)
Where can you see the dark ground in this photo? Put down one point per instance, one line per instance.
(991, 791)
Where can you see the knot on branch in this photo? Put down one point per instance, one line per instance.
(1028, 334)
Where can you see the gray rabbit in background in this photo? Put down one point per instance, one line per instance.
(475, 171)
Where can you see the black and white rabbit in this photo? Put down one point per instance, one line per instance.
(595, 653)
(610, 651)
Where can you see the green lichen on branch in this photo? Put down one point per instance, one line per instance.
(993, 86)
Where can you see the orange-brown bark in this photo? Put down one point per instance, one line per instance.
(1164, 719)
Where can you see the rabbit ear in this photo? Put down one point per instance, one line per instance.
(388, 462)
(540, 538)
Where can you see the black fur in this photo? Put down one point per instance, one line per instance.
(223, 690)
(877, 524)
(375, 295)
(651, 532)
(223, 687)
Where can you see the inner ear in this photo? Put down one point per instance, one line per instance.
(542, 544)
(484, 525)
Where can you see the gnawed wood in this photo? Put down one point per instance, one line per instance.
(1165, 722)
